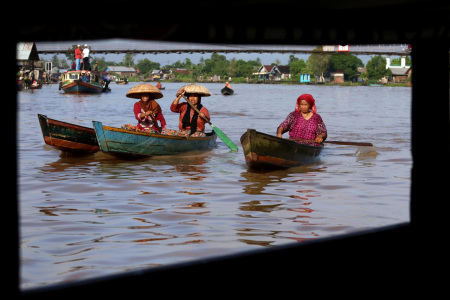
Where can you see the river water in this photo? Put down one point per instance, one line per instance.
(94, 215)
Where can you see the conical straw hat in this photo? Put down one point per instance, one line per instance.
(137, 90)
(195, 89)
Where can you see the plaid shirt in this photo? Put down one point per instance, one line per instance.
(299, 128)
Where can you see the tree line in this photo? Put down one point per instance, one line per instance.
(316, 64)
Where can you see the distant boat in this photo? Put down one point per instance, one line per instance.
(134, 144)
(72, 83)
(68, 137)
(122, 81)
(36, 85)
(264, 151)
(227, 91)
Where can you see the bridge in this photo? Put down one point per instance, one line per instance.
(117, 46)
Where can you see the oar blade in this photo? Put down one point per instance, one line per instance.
(224, 138)
(219, 132)
(366, 150)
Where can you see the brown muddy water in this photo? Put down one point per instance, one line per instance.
(88, 216)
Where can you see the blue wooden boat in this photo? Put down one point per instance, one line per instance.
(72, 83)
(134, 144)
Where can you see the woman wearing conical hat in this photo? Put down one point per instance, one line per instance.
(192, 123)
(147, 111)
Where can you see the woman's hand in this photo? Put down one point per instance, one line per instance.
(203, 116)
(280, 132)
(319, 139)
(178, 97)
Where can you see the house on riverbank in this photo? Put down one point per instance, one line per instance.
(273, 73)
(122, 71)
(400, 73)
(28, 61)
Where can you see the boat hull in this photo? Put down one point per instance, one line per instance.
(227, 91)
(131, 144)
(265, 151)
(71, 82)
(79, 87)
(68, 137)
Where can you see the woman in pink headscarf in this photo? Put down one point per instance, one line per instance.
(304, 123)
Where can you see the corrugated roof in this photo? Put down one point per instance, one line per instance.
(121, 69)
(399, 71)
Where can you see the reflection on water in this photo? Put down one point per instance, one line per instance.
(92, 215)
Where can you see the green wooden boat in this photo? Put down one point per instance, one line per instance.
(134, 144)
(266, 151)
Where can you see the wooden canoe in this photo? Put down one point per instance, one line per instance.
(227, 91)
(266, 151)
(68, 137)
(133, 144)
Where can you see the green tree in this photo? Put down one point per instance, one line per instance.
(232, 68)
(178, 65)
(102, 63)
(298, 67)
(128, 60)
(292, 59)
(319, 62)
(70, 53)
(397, 61)
(376, 68)
(246, 68)
(348, 63)
(63, 64)
(188, 64)
(55, 61)
(217, 64)
(145, 66)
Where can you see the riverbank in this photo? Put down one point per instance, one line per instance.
(285, 82)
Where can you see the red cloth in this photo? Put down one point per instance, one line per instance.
(181, 108)
(308, 98)
(147, 121)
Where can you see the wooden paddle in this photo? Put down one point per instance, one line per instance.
(219, 132)
(339, 143)
(363, 148)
